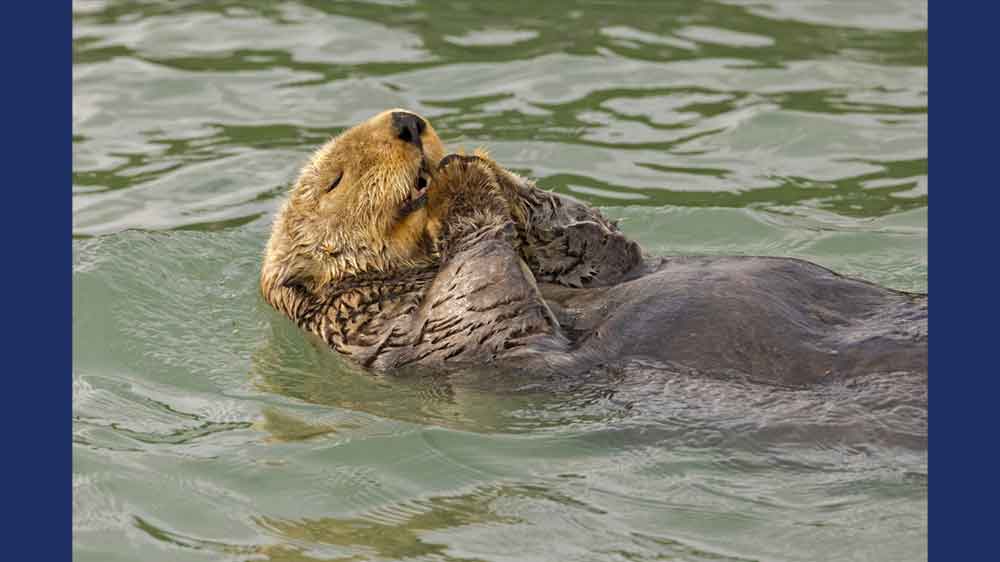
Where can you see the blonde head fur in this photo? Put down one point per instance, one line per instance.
(358, 206)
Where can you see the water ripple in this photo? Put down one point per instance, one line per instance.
(776, 127)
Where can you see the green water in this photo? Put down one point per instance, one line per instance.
(207, 428)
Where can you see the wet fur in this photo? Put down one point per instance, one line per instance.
(496, 271)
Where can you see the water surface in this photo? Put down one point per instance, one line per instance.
(207, 428)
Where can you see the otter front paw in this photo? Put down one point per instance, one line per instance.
(581, 254)
(467, 186)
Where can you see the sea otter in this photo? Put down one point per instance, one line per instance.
(397, 256)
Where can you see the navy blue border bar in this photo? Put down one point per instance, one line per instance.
(964, 404)
(36, 277)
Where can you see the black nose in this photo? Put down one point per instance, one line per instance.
(408, 127)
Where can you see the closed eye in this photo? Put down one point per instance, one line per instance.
(334, 183)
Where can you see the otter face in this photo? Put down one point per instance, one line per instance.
(358, 206)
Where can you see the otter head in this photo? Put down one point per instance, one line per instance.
(357, 207)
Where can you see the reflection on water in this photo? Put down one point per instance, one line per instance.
(776, 127)
(640, 398)
(679, 114)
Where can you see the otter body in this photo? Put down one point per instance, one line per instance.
(770, 319)
(397, 256)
